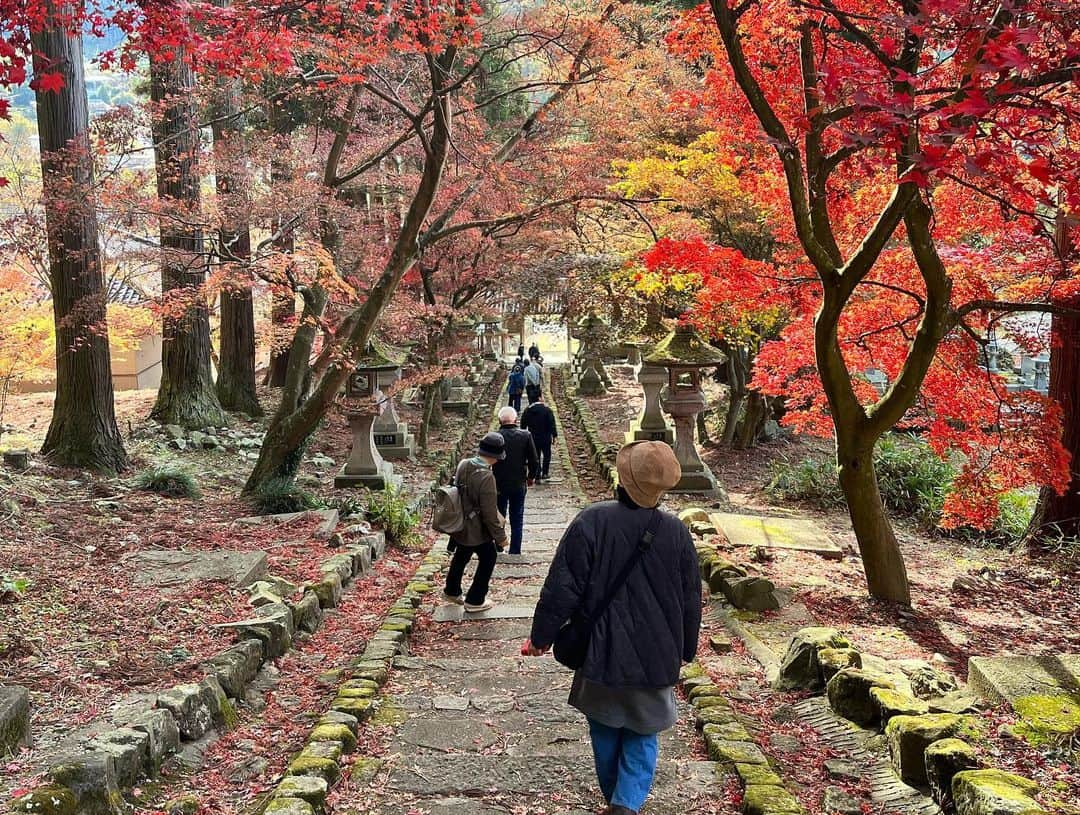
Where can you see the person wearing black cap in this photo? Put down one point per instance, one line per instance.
(484, 534)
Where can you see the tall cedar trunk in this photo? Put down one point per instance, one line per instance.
(749, 427)
(83, 431)
(283, 308)
(236, 371)
(186, 396)
(886, 574)
(1060, 514)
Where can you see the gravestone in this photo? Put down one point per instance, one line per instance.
(14, 718)
(771, 532)
(178, 567)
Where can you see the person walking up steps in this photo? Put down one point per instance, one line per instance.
(626, 585)
(515, 387)
(540, 422)
(484, 534)
(534, 380)
(515, 474)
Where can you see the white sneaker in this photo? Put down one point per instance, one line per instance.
(487, 605)
(452, 598)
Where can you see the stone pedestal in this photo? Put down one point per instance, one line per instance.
(651, 425)
(684, 404)
(456, 395)
(366, 467)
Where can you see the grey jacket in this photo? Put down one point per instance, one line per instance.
(480, 501)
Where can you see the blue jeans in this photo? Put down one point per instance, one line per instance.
(515, 401)
(514, 501)
(625, 764)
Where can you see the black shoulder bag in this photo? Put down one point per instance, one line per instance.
(572, 642)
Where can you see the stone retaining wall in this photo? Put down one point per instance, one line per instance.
(603, 454)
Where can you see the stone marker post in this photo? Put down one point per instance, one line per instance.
(365, 466)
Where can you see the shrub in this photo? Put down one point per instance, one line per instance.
(171, 482)
(281, 495)
(1015, 509)
(810, 481)
(390, 509)
(913, 481)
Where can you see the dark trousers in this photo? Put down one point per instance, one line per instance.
(512, 507)
(515, 401)
(533, 392)
(543, 449)
(486, 556)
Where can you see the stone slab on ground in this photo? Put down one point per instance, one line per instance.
(1008, 678)
(328, 520)
(450, 612)
(177, 567)
(774, 532)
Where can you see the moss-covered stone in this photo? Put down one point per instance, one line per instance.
(306, 764)
(48, 800)
(712, 715)
(310, 788)
(420, 587)
(800, 669)
(336, 733)
(755, 774)
(373, 670)
(692, 671)
(1046, 718)
(849, 694)
(356, 693)
(365, 769)
(288, 806)
(707, 689)
(712, 701)
(734, 752)
(944, 759)
(361, 708)
(337, 717)
(769, 799)
(993, 792)
(183, 805)
(730, 730)
(892, 702)
(909, 736)
(388, 714)
(834, 660)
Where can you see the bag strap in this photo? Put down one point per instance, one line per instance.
(647, 537)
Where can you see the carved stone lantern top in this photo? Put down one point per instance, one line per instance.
(685, 348)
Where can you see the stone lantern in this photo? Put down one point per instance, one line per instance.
(591, 331)
(684, 354)
(489, 331)
(392, 437)
(366, 466)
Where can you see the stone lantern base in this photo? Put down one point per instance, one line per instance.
(590, 383)
(366, 467)
(395, 444)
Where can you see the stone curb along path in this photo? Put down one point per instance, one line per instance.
(90, 781)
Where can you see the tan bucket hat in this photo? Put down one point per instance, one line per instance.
(647, 469)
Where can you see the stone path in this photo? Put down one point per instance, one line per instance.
(483, 731)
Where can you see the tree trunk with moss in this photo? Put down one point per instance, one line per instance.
(186, 395)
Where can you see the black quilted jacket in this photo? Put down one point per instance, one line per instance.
(652, 625)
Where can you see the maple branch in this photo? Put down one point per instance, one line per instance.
(374, 160)
(1008, 307)
(786, 149)
(858, 34)
(863, 259)
(817, 169)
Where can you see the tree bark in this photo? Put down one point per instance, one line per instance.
(186, 396)
(1060, 514)
(236, 370)
(748, 427)
(883, 563)
(283, 308)
(83, 431)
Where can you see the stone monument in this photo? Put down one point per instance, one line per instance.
(591, 332)
(684, 353)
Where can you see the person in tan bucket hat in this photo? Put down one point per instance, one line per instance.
(622, 607)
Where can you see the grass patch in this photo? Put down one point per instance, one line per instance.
(171, 482)
(279, 496)
(390, 509)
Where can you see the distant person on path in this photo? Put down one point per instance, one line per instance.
(534, 380)
(632, 650)
(515, 387)
(539, 420)
(521, 357)
(515, 474)
(484, 534)
(534, 351)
